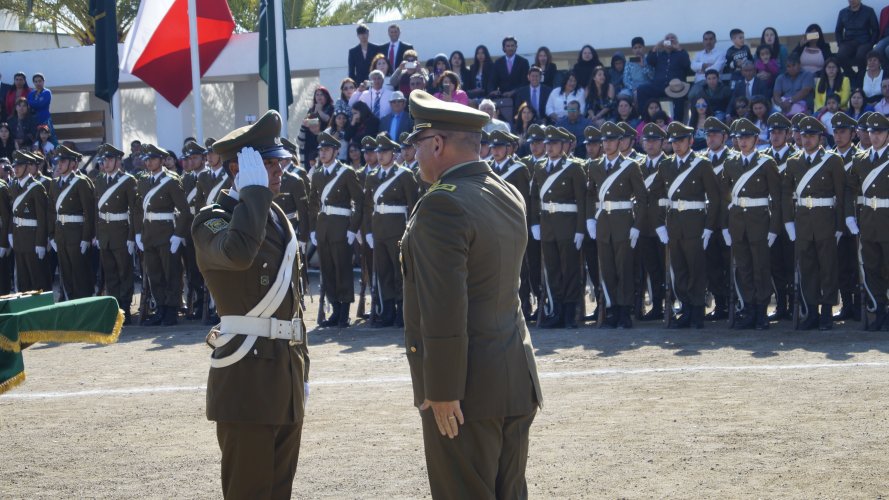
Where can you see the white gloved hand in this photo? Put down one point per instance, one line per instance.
(591, 228)
(84, 245)
(838, 234)
(175, 243)
(131, 247)
(370, 240)
(139, 242)
(4, 252)
(535, 232)
(706, 237)
(578, 240)
(350, 237)
(852, 225)
(9, 238)
(360, 238)
(790, 227)
(251, 171)
(302, 246)
(634, 237)
(41, 252)
(52, 244)
(772, 239)
(312, 237)
(662, 234)
(727, 237)
(96, 243)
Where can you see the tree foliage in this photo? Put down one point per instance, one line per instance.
(68, 16)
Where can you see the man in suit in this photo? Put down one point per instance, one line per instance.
(470, 355)
(747, 87)
(257, 386)
(510, 70)
(361, 55)
(399, 120)
(535, 93)
(376, 97)
(395, 49)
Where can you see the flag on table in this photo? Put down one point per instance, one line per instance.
(104, 14)
(157, 47)
(268, 54)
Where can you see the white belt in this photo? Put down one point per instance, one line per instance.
(157, 216)
(67, 219)
(683, 205)
(191, 210)
(608, 206)
(745, 202)
(810, 202)
(291, 215)
(113, 217)
(345, 212)
(263, 327)
(559, 208)
(663, 202)
(18, 221)
(390, 209)
(873, 202)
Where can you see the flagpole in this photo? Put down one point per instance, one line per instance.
(195, 70)
(116, 128)
(279, 62)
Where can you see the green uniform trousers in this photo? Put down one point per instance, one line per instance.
(258, 461)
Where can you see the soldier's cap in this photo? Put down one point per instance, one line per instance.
(500, 138)
(65, 153)
(713, 124)
(486, 137)
(677, 131)
(629, 130)
(553, 134)
(209, 142)
(652, 131)
(536, 133)
(862, 120)
(193, 148)
(842, 120)
(877, 121)
(263, 136)
(591, 134)
(108, 151)
(4, 161)
(396, 96)
(431, 113)
(611, 131)
(38, 156)
(567, 134)
(152, 151)
(811, 125)
(515, 139)
(743, 127)
(289, 146)
(794, 122)
(22, 158)
(384, 143)
(326, 140)
(778, 122)
(402, 138)
(368, 143)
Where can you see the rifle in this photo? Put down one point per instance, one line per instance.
(321, 316)
(734, 298)
(669, 299)
(864, 291)
(376, 299)
(145, 299)
(303, 280)
(545, 299)
(798, 300)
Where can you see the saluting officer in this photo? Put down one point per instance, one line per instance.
(751, 222)
(390, 193)
(812, 199)
(847, 252)
(335, 204)
(246, 250)
(686, 185)
(614, 188)
(29, 226)
(650, 250)
(160, 234)
(558, 192)
(718, 255)
(118, 206)
(72, 206)
(6, 260)
(867, 188)
(782, 254)
(628, 141)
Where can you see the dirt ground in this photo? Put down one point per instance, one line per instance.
(646, 413)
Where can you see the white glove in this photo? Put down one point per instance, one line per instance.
(370, 240)
(251, 171)
(727, 237)
(139, 242)
(4, 252)
(41, 252)
(591, 228)
(302, 246)
(634, 237)
(578, 240)
(662, 234)
(175, 243)
(790, 227)
(350, 237)
(772, 238)
(852, 225)
(131, 247)
(535, 232)
(96, 243)
(9, 238)
(360, 239)
(706, 237)
(52, 243)
(84, 245)
(312, 237)
(838, 234)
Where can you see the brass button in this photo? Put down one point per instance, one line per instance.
(413, 349)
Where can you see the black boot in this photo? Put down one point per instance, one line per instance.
(780, 307)
(612, 317)
(554, 320)
(157, 318)
(745, 318)
(697, 317)
(810, 322)
(623, 318)
(127, 320)
(683, 319)
(638, 308)
(170, 316)
(197, 307)
(212, 317)
(334, 316)
(387, 317)
(569, 314)
(720, 309)
(593, 316)
(762, 316)
(847, 311)
(657, 309)
(879, 319)
(826, 320)
(343, 319)
(399, 314)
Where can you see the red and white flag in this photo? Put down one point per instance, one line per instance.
(157, 47)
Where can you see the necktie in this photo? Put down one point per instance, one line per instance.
(650, 164)
(534, 98)
(61, 183)
(508, 66)
(549, 167)
(873, 157)
(808, 161)
(391, 55)
(608, 166)
(746, 162)
(108, 179)
(376, 108)
(750, 89)
(393, 128)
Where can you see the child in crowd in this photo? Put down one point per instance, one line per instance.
(832, 105)
(43, 143)
(766, 67)
(736, 54)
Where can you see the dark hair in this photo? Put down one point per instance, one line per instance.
(628, 100)
(761, 48)
(637, 40)
(450, 75)
(487, 54)
(545, 50)
(775, 46)
(363, 111)
(709, 32)
(833, 96)
(362, 29)
(863, 99)
(21, 75)
(735, 31)
(137, 141)
(793, 58)
(462, 60)
(568, 76)
(592, 91)
(760, 100)
(660, 115)
(518, 114)
(711, 71)
(871, 54)
(509, 38)
(822, 82)
(594, 61)
(534, 69)
(644, 112)
(822, 44)
(343, 83)
(37, 75)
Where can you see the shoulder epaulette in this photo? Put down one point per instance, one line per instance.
(438, 186)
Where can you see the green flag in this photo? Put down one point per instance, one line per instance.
(268, 53)
(104, 13)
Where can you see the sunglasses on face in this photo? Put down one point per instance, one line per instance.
(701, 106)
